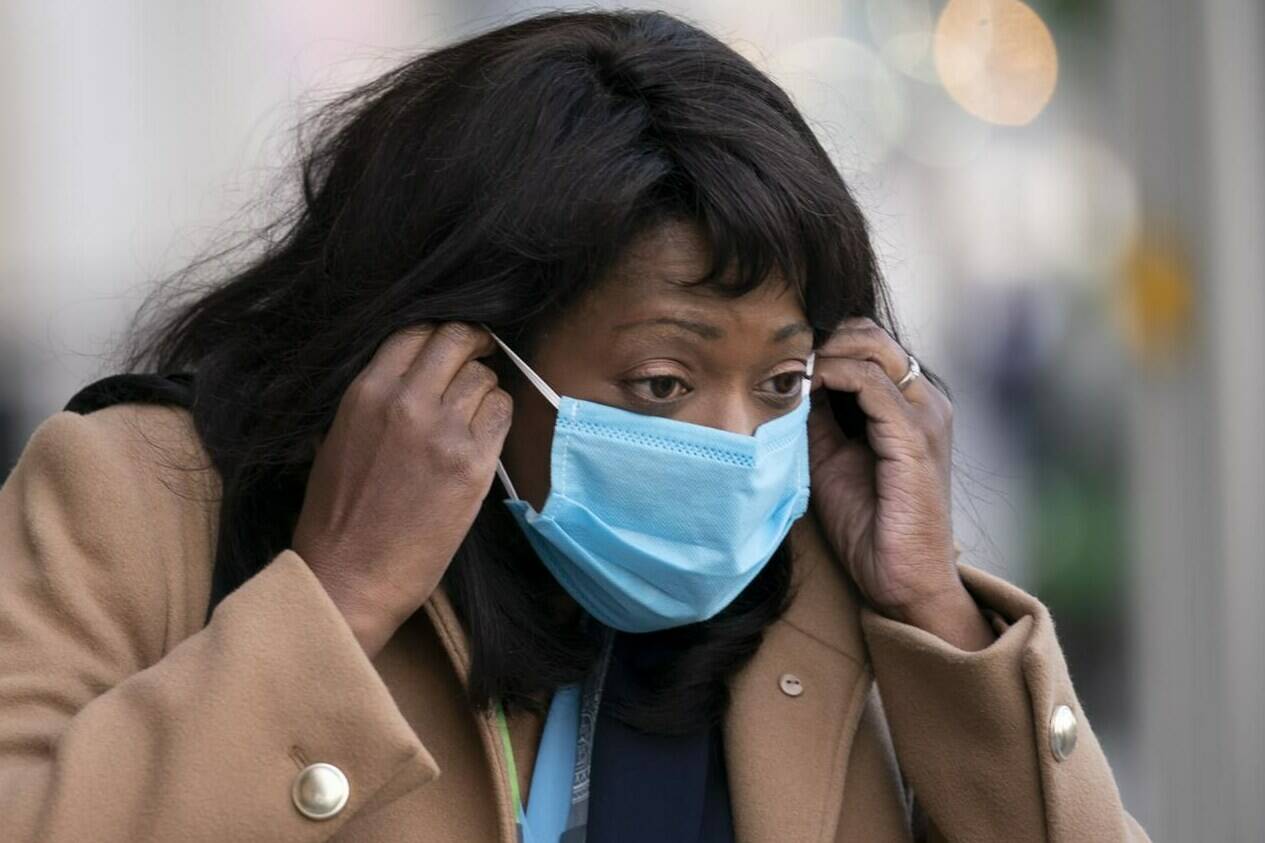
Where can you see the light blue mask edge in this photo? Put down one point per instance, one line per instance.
(613, 422)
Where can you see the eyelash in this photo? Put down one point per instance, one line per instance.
(781, 398)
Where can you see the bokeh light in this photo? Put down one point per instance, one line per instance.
(996, 58)
(902, 32)
(1156, 299)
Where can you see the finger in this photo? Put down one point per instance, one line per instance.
(446, 350)
(862, 338)
(396, 353)
(491, 421)
(472, 382)
(891, 419)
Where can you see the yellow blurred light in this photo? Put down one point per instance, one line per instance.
(1157, 299)
(996, 59)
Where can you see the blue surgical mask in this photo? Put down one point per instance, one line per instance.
(653, 522)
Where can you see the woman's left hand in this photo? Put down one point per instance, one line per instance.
(884, 501)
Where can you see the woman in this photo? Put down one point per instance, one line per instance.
(557, 473)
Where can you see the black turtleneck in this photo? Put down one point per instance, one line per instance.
(665, 788)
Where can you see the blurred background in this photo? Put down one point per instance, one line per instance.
(1068, 197)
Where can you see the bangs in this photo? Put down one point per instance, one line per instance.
(755, 230)
(564, 155)
(751, 227)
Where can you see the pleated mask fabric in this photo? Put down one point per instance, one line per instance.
(653, 522)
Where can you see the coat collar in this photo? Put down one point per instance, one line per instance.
(443, 616)
(786, 754)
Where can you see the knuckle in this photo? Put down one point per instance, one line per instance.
(458, 332)
(939, 407)
(937, 444)
(455, 458)
(410, 335)
(500, 406)
(369, 388)
(928, 437)
(934, 429)
(482, 374)
(414, 331)
(403, 408)
(929, 426)
(858, 323)
(873, 372)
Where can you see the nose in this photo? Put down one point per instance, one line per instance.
(735, 414)
(735, 410)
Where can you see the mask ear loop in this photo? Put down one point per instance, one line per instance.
(505, 479)
(545, 390)
(807, 385)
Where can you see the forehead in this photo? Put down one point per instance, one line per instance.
(649, 280)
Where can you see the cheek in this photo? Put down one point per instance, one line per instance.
(527, 446)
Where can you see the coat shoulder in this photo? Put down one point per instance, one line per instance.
(136, 451)
(125, 493)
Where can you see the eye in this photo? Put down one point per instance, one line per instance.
(787, 384)
(659, 387)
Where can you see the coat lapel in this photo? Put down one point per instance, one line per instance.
(443, 616)
(796, 706)
(786, 755)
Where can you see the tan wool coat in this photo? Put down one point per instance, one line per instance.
(124, 719)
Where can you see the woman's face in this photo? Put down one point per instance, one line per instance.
(644, 343)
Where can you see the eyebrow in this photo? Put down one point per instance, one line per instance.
(703, 329)
(791, 329)
(711, 332)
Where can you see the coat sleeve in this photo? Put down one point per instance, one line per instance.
(972, 730)
(116, 726)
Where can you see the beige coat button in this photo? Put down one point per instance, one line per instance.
(790, 685)
(1062, 732)
(320, 791)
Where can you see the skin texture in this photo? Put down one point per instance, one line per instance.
(427, 407)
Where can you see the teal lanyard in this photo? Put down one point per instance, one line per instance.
(559, 802)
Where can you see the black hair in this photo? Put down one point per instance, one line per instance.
(494, 180)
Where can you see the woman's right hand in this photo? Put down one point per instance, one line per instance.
(399, 478)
